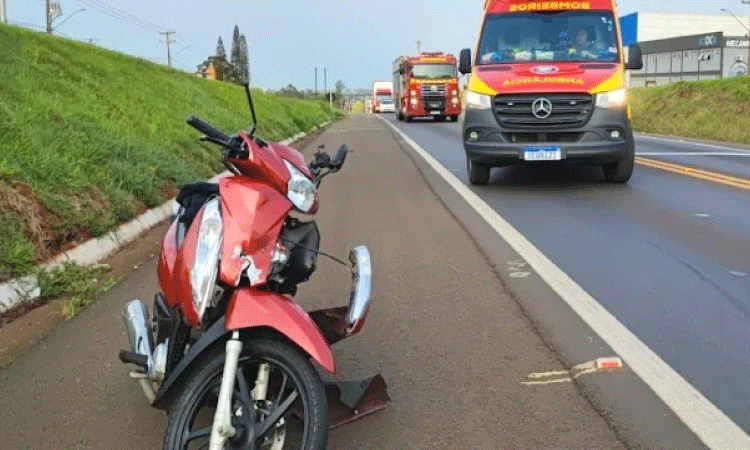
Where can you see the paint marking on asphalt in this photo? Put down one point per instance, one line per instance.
(684, 141)
(600, 365)
(727, 180)
(702, 417)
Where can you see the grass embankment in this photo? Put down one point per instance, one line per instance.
(715, 110)
(89, 138)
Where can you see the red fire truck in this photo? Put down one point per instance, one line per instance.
(426, 86)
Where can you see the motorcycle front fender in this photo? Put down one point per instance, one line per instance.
(251, 308)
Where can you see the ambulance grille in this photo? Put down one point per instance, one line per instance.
(568, 111)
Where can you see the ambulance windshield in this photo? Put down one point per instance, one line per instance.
(565, 36)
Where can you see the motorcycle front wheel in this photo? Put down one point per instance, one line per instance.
(293, 415)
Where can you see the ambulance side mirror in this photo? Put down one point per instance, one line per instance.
(635, 58)
(464, 64)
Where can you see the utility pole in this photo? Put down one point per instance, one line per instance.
(48, 9)
(325, 80)
(3, 18)
(54, 10)
(168, 41)
(316, 81)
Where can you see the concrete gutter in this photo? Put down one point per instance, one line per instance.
(14, 292)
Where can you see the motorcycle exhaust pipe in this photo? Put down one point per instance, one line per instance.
(141, 341)
(135, 318)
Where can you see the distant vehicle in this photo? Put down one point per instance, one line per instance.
(381, 90)
(387, 106)
(426, 86)
(548, 87)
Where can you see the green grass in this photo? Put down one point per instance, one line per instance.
(90, 137)
(715, 110)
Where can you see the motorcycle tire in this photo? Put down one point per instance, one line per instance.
(207, 377)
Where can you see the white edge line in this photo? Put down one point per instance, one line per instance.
(685, 141)
(92, 251)
(702, 417)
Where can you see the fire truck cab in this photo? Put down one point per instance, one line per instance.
(426, 86)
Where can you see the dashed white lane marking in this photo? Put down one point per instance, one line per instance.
(702, 417)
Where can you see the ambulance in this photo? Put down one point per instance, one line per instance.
(547, 83)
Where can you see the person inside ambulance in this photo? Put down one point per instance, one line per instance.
(509, 47)
(584, 48)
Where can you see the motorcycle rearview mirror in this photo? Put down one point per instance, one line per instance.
(338, 160)
(254, 125)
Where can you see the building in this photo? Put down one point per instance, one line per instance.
(645, 26)
(691, 58)
(686, 47)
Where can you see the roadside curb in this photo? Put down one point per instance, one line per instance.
(648, 404)
(16, 291)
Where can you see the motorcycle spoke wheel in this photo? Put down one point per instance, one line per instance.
(279, 422)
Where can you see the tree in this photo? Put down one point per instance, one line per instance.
(245, 60)
(291, 91)
(236, 56)
(340, 91)
(222, 67)
(220, 51)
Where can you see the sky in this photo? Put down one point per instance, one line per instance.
(355, 40)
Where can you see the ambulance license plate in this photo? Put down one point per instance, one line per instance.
(542, 154)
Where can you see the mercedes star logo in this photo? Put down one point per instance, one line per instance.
(541, 108)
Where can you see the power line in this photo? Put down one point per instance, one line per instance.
(126, 15)
(120, 15)
(31, 25)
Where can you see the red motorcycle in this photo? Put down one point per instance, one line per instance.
(228, 352)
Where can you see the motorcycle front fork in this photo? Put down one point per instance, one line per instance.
(222, 427)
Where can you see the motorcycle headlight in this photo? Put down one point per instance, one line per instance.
(301, 189)
(612, 99)
(475, 100)
(207, 251)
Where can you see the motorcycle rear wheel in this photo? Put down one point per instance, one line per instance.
(294, 383)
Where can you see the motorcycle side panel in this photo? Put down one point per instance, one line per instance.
(251, 308)
(263, 163)
(165, 269)
(253, 215)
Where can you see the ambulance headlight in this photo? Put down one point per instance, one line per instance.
(612, 99)
(475, 100)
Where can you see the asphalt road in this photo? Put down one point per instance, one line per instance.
(453, 346)
(667, 254)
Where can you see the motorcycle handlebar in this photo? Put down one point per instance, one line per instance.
(207, 129)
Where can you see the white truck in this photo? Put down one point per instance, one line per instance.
(381, 90)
